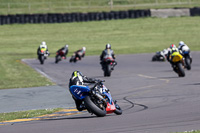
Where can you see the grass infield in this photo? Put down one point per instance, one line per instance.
(129, 36)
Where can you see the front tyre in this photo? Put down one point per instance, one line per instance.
(92, 107)
(118, 110)
(41, 59)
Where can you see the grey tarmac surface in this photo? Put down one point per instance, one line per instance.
(153, 98)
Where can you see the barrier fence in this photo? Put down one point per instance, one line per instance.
(79, 17)
(71, 17)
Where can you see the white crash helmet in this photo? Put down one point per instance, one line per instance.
(84, 48)
(108, 46)
(66, 46)
(181, 43)
(43, 43)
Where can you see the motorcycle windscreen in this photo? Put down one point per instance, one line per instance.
(79, 91)
(107, 97)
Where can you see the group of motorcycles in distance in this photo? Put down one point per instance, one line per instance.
(181, 60)
(107, 68)
(43, 54)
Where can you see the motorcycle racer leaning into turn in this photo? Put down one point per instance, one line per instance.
(184, 47)
(78, 78)
(64, 50)
(171, 53)
(107, 52)
(80, 53)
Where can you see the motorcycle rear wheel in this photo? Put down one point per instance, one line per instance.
(91, 107)
(181, 71)
(107, 71)
(187, 63)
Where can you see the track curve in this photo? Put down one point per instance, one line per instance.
(153, 98)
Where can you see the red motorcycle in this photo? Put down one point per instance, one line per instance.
(108, 66)
(59, 56)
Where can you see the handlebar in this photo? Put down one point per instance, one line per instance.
(97, 82)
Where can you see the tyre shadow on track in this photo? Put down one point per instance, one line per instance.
(194, 84)
(77, 117)
(168, 77)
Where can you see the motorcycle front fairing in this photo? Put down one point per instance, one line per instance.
(110, 104)
(79, 91)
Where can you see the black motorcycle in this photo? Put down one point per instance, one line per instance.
(59, 56)
(187, 59)
(160, 55)
(42, 56)
(108, 66)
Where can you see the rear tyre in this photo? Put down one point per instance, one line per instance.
(187, 63)
(91, 107)
(181, 71)
(107, 71)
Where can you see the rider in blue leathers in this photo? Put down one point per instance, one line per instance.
(77, 78)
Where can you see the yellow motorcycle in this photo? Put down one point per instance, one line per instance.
(178, 64)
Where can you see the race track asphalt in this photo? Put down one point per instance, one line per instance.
(153, 98)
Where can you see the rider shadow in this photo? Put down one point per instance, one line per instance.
(73, 118)
(168, 77)
(97, 77)
(194, 84)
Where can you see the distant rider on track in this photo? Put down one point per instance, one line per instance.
(44, 47)
(108, 52)
(64, 50)
(182, 46)
(171, 53)
(79, 53)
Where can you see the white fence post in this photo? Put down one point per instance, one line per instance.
(8, 8)
(111, 4)
(156, 1)
(50, 6)
(29, 7)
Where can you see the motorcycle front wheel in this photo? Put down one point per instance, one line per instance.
(58, 58)
(118, 110)
(41, 59)
(92, 107)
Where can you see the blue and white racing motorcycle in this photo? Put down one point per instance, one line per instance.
(187, 58)
(96, 99)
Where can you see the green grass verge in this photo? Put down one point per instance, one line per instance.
(63, 6)
(26, 114)
(129, 36)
